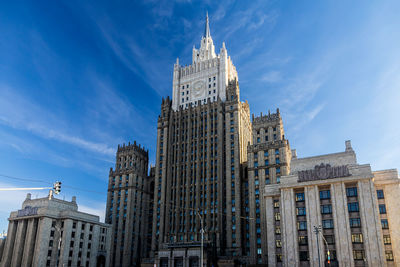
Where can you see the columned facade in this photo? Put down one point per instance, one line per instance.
(351, 204)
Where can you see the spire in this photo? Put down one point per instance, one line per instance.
(207, 28)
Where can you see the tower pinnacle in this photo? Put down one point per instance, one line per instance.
(207, 28)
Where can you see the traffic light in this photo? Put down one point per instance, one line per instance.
(57, 187)
(329, 258)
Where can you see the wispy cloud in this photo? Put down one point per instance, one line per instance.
(20, 113)
(272, 77)
(97, 208)
(132, 54)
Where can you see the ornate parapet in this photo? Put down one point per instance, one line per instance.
(322, 172)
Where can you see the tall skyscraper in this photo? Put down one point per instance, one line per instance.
(129, 199)
(202, 139)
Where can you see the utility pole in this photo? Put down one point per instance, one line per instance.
(317, 230)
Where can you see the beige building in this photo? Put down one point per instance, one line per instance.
(52, 232)
(356, 208)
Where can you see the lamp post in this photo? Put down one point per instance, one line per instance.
(327, 248)
(317, 230)
(202, 239)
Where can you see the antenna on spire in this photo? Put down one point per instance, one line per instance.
(207, 28)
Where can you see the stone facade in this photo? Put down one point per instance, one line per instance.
(356, 211)
(202, 139)
(129, 205)
(268, 160)
(52, 232)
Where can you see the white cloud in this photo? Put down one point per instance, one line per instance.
(21, 113)
(94, 209)
(272, 77)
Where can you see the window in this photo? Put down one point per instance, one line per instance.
(356, 238)
(255, 164)
(382, 209)
(389, 255)
(327, 224)
(259, 251)
(277, 230)
(353, 207)
(299, 197)
(266, 162)
(358, 254)
(301, 211)
(303, 255)
(325, 194)
(277, 216)
(255, 173)
(355, 222)
(265, 153)
(387, 240)
(303, 240)
(278, 243)
(351, 191)
(276, 203)
(385, 224)
(330, 239)
(326, 209)
(380, 194)
(302, 225)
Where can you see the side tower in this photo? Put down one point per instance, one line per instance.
(128, 200)
(268, 159)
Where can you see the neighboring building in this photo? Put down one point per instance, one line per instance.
(356, 208)
(129, 197)
(52, 232)
(2, 244)
(268, 160)
(202, 138)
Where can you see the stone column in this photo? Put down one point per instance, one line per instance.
(288, 227)
(66, 240)
(313, 214)
(392, 193)
(344, 249)
(371, 225)
(30, 242)
(8, 249)
(270, 231)
(42, 242)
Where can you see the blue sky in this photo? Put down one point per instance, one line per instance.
(77, 78)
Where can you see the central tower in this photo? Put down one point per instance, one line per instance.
(206, 78)
(202, 138)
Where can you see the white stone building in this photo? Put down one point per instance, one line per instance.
(356, 208)
(206, 78)
(52, 232)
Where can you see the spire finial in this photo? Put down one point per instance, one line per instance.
(207, 28)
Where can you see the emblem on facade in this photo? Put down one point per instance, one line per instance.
(323, 171)
(27, 211)
(198, 89)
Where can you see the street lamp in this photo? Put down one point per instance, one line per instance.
(202, 239)
(317, 230)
